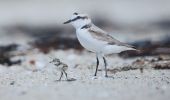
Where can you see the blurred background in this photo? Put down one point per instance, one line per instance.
(39, 23)
(32, 34)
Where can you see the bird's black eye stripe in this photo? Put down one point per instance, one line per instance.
(78, 17)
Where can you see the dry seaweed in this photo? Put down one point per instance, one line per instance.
(162, 66)
(158, 63)
(149, 48)
(45, 45)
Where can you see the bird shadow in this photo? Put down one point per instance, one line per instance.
(110, 77)
(67, 80)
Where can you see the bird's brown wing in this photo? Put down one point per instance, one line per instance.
(102, 35)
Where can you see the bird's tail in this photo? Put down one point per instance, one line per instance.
(134, 48)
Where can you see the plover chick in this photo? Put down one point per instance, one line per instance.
(95, 39)
(60, 67)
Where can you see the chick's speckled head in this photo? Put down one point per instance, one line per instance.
(55, 60)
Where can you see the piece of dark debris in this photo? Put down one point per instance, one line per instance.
(12, 83)
(5, 54)
(162, 66)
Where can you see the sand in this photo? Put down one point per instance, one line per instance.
(20, 82)
(38, 81)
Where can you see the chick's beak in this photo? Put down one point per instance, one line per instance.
(67, 21)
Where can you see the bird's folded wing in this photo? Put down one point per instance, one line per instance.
(103, 36)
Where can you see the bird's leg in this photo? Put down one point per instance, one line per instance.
(60, 76)
(97, 64)
(65, 74)
(105, 65)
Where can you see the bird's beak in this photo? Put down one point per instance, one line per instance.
(67, 21)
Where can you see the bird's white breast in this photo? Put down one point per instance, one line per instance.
(88, 42)
(97, 46)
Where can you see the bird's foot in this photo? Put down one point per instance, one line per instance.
(71, 79)
(106, 76)
(94, 77)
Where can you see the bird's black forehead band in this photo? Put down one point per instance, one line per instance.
(78, 17)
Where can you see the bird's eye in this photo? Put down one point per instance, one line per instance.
(75, 13)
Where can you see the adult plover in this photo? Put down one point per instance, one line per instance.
(60, 67)
(95, 39)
